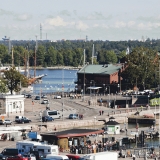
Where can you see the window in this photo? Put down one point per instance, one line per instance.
(52, 113)
(49, 150)
(0, 105)
(42, 150)
(53, 150)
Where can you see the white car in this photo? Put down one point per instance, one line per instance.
(6, 121)
(45, 101)
(57, 97)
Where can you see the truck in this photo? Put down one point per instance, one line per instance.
(100, 156)
(26, 146)
(34, 136)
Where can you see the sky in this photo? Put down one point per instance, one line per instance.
(112, 20)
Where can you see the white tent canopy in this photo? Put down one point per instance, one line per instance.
(93, 88)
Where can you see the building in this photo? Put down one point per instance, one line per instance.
(106, 76)
(112, 126)
(67, 138)
(11, 105)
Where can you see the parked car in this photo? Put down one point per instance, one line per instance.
(57, 97)
(28, 96)
(73, 116)
(30, 156)
(9, 152)
(37, 98)
(44, 96)
(17, 158)
(6, 121)
(23, 120)
(47, 119)
(2, 157)
(45, 101)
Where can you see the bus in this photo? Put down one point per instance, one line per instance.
(54, 114)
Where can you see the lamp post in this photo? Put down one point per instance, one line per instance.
(94, 122)
(76, 89)
(62, 101)
(84, 92)
(148, 99)
(104, 89)
(109, 96)
(90, 88)
(118, 87)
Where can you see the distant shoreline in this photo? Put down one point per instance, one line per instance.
(58, 67)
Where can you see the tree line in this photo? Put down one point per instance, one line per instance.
(70, 53)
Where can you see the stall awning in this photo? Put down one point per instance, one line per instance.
(94, 88)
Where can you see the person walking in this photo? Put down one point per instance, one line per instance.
(100, 113)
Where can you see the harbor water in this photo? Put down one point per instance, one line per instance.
(56, 80)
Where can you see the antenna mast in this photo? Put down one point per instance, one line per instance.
(92, 53)
(12, 58)
(40, 31)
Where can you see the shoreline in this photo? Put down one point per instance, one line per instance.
(56, 67)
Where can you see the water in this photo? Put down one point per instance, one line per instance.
(57, 80)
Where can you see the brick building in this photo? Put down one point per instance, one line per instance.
(105, 77)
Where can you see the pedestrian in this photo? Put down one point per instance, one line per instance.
(102, 112)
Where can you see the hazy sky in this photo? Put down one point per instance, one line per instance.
(74, 19)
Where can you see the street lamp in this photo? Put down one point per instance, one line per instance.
(118, 87)
(76, 89)
(148, 99)
(90, 88)
(94, 122)
(104, 89)
(84, 92)
(109, 96)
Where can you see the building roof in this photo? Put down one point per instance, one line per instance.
(73, 133)
(111, 123)
(107, 69)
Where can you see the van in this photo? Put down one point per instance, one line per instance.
(17, 118)
(57, 157)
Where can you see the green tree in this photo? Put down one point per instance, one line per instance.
(110, 57)
(50, 56)
(3, 87)
(13, 79)
(40, 55)
(142, 64)
(121, 55)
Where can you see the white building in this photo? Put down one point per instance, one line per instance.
(112, 126)
(11, 105)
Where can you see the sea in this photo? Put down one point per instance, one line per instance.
(56, 80)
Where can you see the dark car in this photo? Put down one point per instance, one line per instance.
(2, 157)
(28, 96)
(73, 116)
(23, 120)
(8, 152)
(47, 119)
(37, 98)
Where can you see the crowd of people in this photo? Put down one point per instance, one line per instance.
(92, 147)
